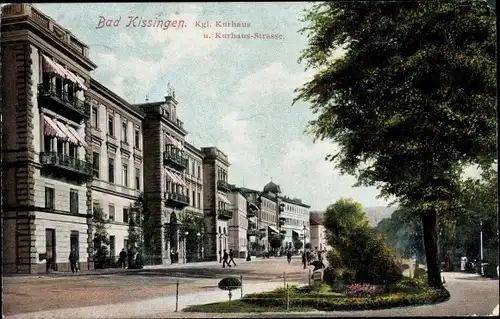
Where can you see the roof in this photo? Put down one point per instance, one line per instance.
(100, 88)
(272, 188)
(317, 218)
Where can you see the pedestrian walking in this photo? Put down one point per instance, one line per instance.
(176, 256)
(73, 259)
(225, 257)
(231, 257)
(122, 258)
(289, 256)
(463, 263)
(171, 256)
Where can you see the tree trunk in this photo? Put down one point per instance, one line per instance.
(429, 223)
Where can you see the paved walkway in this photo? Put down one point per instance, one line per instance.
(150, 307)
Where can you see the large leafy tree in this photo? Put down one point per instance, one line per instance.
(341, 218)
(410, 102)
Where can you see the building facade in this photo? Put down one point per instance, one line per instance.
(318, 232)
(46, 143)
(117, 157)
(297, 224)
(216, 205)
(238, 225)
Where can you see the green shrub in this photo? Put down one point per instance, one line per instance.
(330, 302)
(229, 283)
(348, 276)
(419, 273)
(369, 256)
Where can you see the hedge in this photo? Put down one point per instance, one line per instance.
(330, 302)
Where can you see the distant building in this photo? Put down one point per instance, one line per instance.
(318, 231)
(238, 225)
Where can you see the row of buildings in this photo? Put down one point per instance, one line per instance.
(71, 146)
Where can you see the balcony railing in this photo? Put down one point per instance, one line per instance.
(251, 213)
(175, 160)
(252, 232)
(223, 186)
(61, 164)
(60, 102)
(177, 200)
(224, 214)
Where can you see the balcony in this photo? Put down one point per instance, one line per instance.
(282, 221)
(61, 165)
(59, 102)
(252, 232)
(223, 186)
(251, 212)
(175, 160)
(224, 214)
(176, 200)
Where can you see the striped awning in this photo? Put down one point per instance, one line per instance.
(223, 199)
(273, 229)
(70, 136)
(54, 67)
(50, 128)
(175, 178)
(174, 142)
(79, 81)
(80, 139)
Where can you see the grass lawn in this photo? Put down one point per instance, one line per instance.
(322, 298)
(239, 306)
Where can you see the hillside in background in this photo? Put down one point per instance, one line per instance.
(376, 214)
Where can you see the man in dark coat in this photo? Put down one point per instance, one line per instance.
(73, 260)
(231, 257)
(172, 256)
(289, 256)
(225, 257)
(122, 258)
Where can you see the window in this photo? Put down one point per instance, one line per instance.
(95, 119)
(111, 170)
(199, 171)
(111, 210)
(125, 215)
(124, 131)
(111, 125)
(193, 171)
(95, 207)
(73, 201)
(125, 174)
(194, 199)
(137, 138)
(47, 143)
(137, 179)
(96, 164)
(199, 200)
(49, 198)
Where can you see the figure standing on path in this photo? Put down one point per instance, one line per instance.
(231, 256)
(463, 263)
(122, 258)
(73, 259)
(171, 256)
(304, 259)
(289, 256)
(176, 256)
(225, 257)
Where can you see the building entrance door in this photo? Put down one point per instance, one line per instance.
(50, 249)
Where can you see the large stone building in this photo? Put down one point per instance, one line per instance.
(297, 224)
(216, 204)
(238, 225)
(117, 153)
(46, 142)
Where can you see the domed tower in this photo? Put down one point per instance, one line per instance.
(272, 188)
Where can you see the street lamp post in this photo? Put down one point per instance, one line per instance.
(481, 239)
(198, 236)
(220, 248)
(185, 249)
(304, 247)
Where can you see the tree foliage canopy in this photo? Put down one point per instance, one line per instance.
(414, 94)
(411, 100)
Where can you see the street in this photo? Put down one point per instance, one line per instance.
(151, 292)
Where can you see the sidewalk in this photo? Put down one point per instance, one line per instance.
(150, 307)
(111, 271)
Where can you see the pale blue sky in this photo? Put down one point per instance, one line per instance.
(235, 94)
